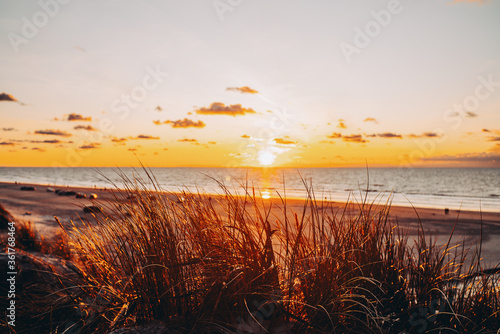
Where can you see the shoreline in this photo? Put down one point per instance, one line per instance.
(43, 206)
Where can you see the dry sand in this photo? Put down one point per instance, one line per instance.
(42, 206)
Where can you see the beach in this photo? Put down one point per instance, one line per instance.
(40, 207)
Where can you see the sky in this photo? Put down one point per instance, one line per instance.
(235, 83)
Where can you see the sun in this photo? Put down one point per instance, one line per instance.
(266, 157)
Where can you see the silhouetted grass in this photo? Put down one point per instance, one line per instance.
(231, 264)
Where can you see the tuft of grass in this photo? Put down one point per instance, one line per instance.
(239, 264)
(29, 239)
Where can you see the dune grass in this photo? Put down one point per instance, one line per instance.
(231, 264)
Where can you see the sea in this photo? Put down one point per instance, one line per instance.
(454, 188)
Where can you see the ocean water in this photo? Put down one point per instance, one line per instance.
(453, 188)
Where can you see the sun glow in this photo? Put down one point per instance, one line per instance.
(266, 157)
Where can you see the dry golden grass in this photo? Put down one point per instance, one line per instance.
(202, 265)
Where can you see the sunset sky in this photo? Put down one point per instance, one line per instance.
(227, 83)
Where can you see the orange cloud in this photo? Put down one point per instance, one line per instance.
(4, 143)
(90, 146)
(425, 134)
(219, 108)
(78, 117)
(8, 129)
(283, 141)
(188, 140)
(184, 123)
(119, 140)
(146, 137)
(386, 135)
(7, 97)
(244, 89)
(354, 139)
(370, 119)
(341, 124)
(245, 136)
(53, 133)
(85, 127)
(335, 135)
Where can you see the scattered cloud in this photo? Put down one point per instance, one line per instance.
(52, 141)
(183, 123)
(38, 149)
(158, 108)
(8, 129)
(53, 133)
(146, 137)
(5, 143)
(370, 119)
(470, 114)
(85, 127)
(90, 146)
(494, 139)
(218, 108)
(245, 136)
(283, 141)
(188, 140)
(386, 135)
(425, 134)
(78, 117)
(244, 89)
(341, 124)
(354, 139)
(132, 149)
(118, 140)
(486, 130)
(7, 97)
(335, 135)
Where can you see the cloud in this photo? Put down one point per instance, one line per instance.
(486, 130)
(8, 129)
(386, 135)
(354, 139)
(245, 136)
(78, 117)
(425, 134)
(183, 123)
(38, 149)
(244, 89)
(4, 143)
(470, 114)
(341, 124)
(494, 139)
(52, 141)
(85, 127)
(146, 137)
(283, 141)
(158, 108)
(188, 140)
(218, 108)
(335, 135)
(212, 142)
(53, 133)
(7, 97)
(118, 140)
(90, 146)
(370, 119)
(469, 157)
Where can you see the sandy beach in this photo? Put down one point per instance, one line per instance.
(40, 207)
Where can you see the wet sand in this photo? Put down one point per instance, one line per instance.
(42, 206)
